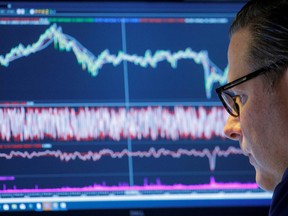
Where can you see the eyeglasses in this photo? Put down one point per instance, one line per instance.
(228, 99)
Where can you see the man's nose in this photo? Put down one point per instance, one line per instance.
(232, 129)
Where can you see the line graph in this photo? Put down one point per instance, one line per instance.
(94, 63)
(150, 153)
(88, 123)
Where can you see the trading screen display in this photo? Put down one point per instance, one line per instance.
(113, 105)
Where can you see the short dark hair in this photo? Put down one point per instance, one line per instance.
(267, 21)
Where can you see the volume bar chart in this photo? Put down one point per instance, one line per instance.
(212, 185)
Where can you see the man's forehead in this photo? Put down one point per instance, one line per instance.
(238, 54)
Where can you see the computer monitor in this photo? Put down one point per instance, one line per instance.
(112, 105)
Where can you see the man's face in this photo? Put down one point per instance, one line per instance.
(262, 127)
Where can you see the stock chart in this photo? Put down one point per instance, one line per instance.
(113, 105)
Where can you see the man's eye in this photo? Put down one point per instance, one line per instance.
(243, 99)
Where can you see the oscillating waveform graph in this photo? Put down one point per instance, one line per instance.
(92, 63)
(152, 152)
(65, 124)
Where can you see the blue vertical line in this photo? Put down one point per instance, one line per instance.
(125, 68)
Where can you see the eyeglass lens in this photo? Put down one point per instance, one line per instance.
(230, 103)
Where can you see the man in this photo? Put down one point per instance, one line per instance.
(256, 96)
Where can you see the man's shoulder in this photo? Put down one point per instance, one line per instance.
(279, 205)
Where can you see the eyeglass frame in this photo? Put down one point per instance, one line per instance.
(239, 81)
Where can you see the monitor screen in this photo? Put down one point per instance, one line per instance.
(112, 105)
